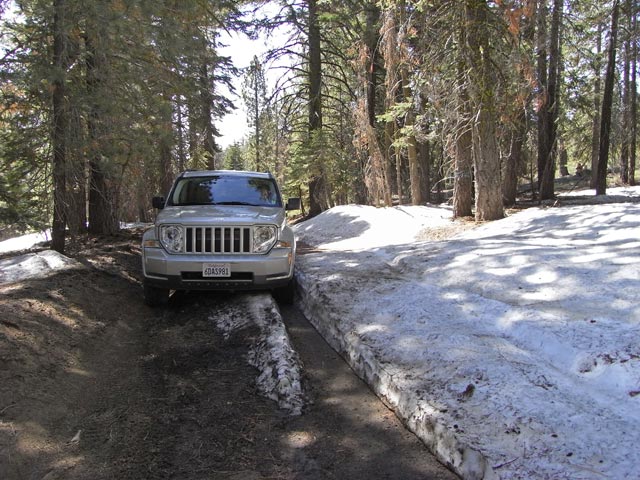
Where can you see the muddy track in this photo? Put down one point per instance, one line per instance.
(96, 385)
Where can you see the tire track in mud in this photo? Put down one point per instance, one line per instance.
(136, 393)
(189, 409)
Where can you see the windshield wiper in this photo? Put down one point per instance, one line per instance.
(235, 203)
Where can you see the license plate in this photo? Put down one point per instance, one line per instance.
(216, 270)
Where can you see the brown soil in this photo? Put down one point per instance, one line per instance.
(95, 385)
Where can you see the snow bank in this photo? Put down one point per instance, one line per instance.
(354, 227)
(272, 354)
(24, 242)
(510, 350)
(34, 265)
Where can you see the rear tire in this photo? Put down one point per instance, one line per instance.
(155, 296)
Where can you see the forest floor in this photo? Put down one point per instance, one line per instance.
(95, 385)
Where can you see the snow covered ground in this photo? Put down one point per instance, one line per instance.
(31, 265)
(512, 349)
(23, 242)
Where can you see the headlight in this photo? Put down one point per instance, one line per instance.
(172, 238)
(264, 236)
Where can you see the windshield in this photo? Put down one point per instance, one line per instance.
(225, 190)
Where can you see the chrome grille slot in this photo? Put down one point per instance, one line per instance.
(218, 240)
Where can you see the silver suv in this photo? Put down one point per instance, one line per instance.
(220, 230)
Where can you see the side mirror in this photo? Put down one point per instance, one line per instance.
(158, 202)
(293, 204)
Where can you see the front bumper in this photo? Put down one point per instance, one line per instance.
(248, 272)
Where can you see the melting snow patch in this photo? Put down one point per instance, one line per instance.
(24, 242)
(271, 354)
(511, 350)
(34, 265)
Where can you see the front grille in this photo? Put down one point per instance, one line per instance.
(218, 240)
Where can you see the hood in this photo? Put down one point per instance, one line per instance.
(221, 214)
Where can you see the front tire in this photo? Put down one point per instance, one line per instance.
(155, 296)
(286, 294)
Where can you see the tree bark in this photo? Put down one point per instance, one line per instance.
(543, 95)
(634, 108)
(209, 130)
(547, 162)
(463, 177)
(165, 143)
(595, 138)
(103, 202)
(463, 161)
(372, 39)
(180, 131)
(424, 149)
(514, 160)
(60, 125)
(398, 162)
(626, 102)
(76, 173)
(412, 148)
(488, 195)
(389, 43)
(607, 101)
(317, 182)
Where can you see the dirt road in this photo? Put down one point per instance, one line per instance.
(94, 385)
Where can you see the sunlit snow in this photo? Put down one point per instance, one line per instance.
(512, 349)
(32, 265)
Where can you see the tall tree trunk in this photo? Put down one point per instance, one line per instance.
(165, 143)
(412, 148)
(488, 201)
(398, 162)
(192, 134)
(368, 157)
(518, 132)
(463, 160)
(365, 113)
(256, 113)
(391, 63)
(180, 132)
(543, 96)
(60, 125)
(626, 101)
(424, 156)
(546, 177)
(607, 101)
(595, 138)
(317, 182)
(254, 83)
(103, 204)
(372, 39)
(386, 171)
(76, 176)
(514, 160)
(424, 149)
(463, 177)
(634, 108)
(209, 129)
